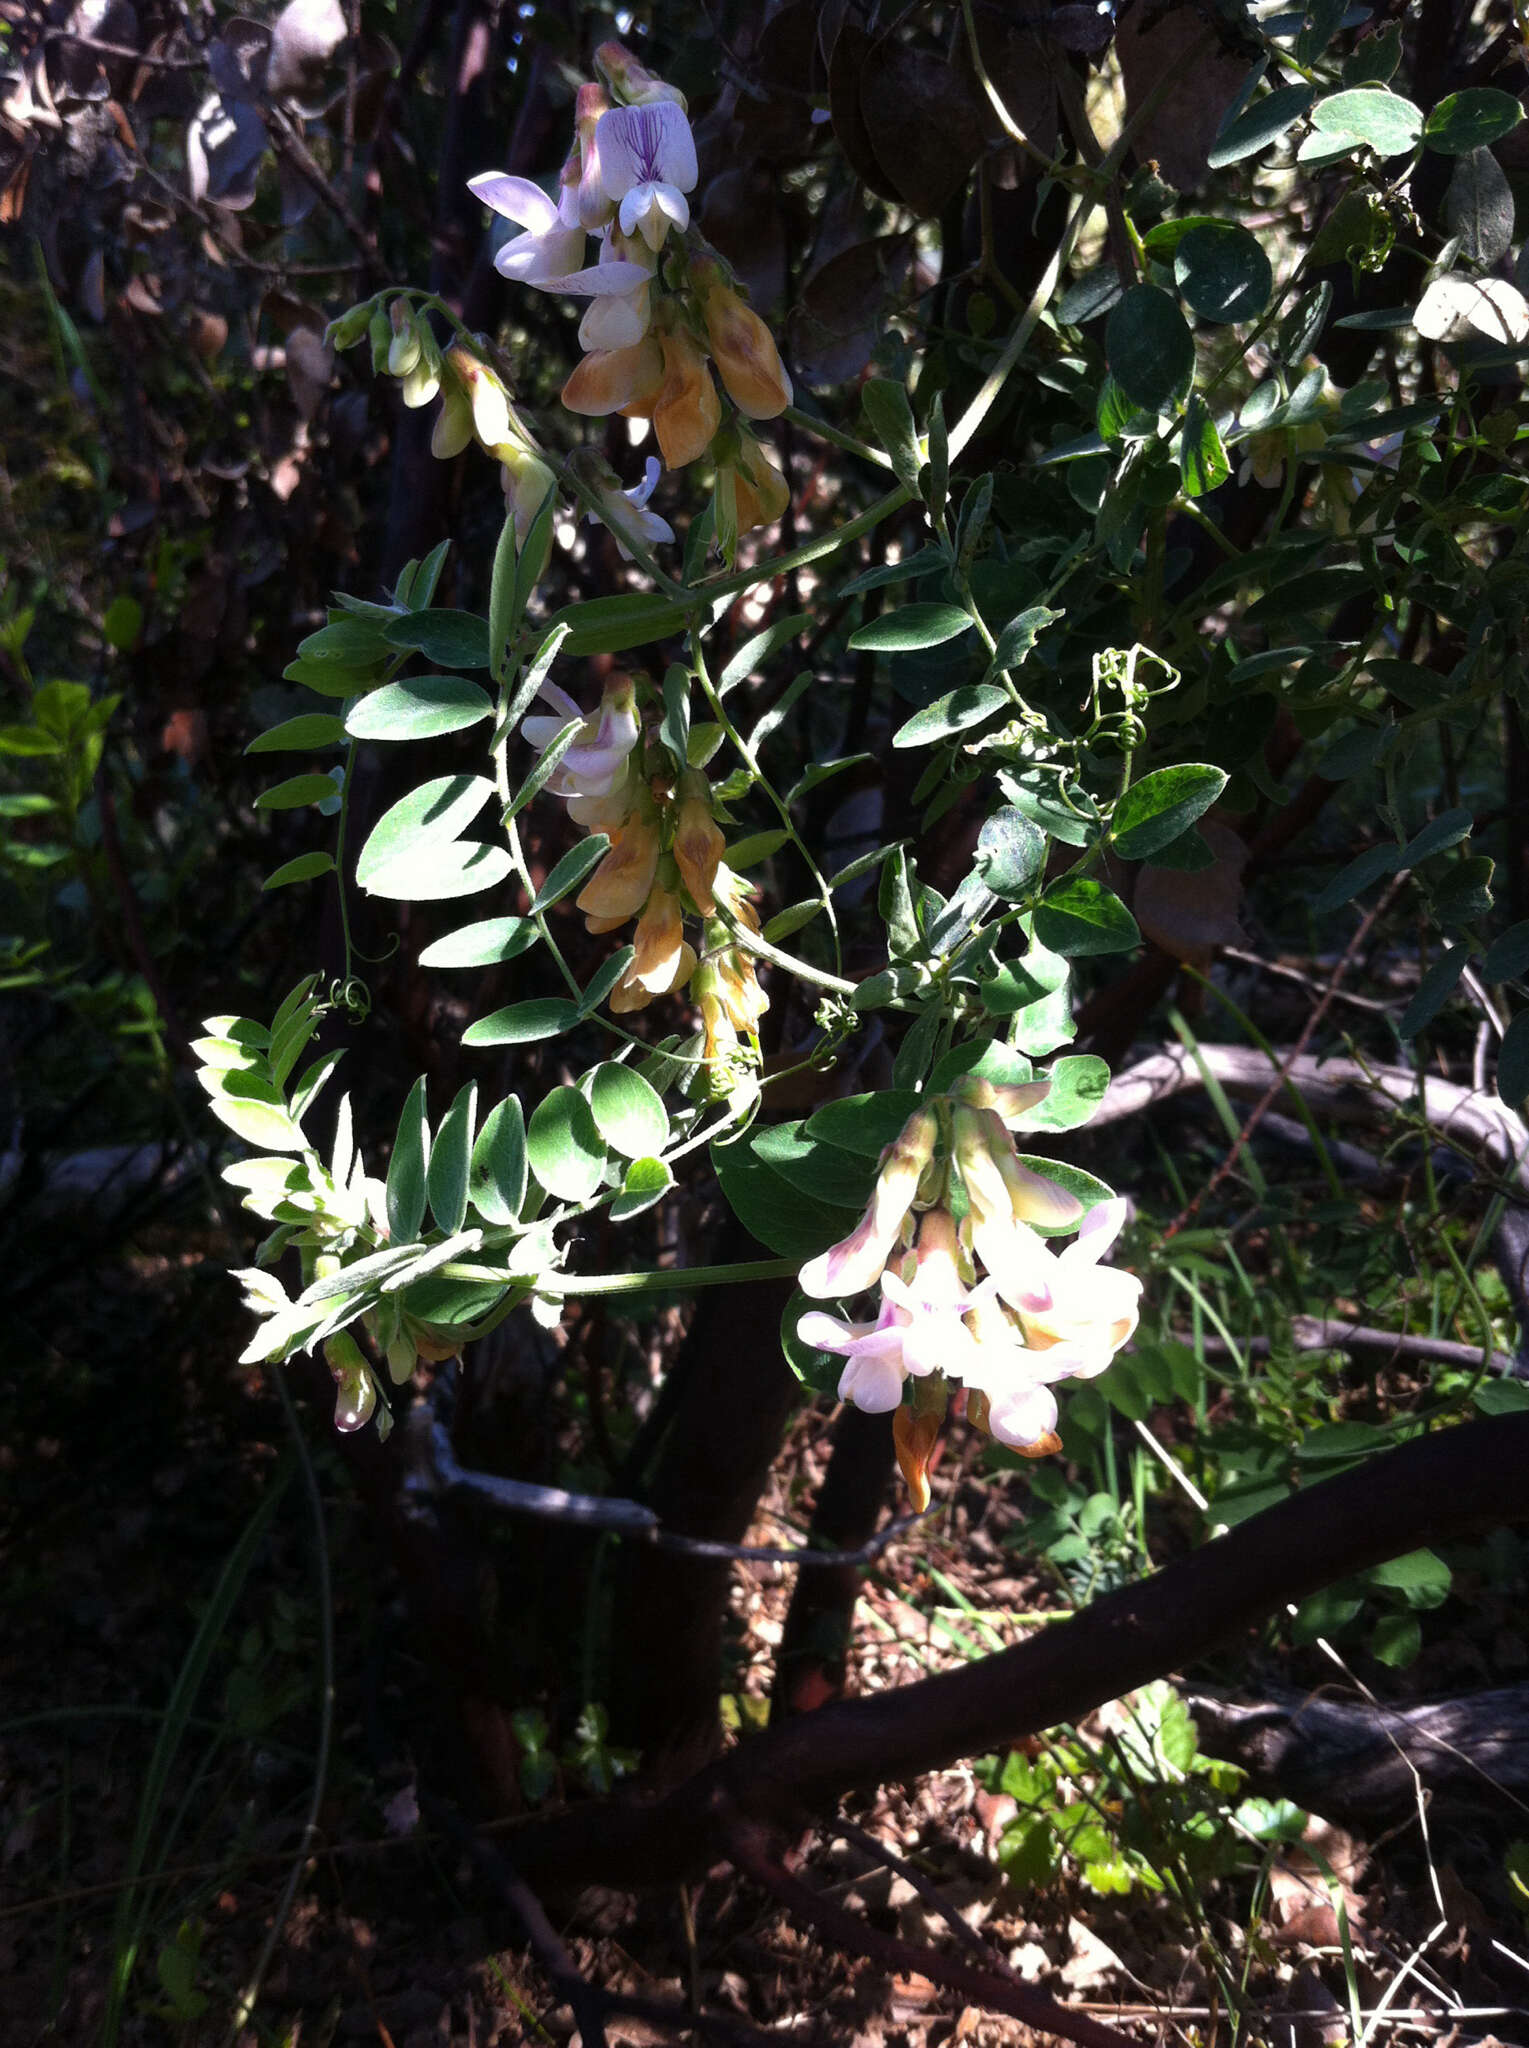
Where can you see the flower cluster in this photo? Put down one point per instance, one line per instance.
(983, 1300)
(661, 301)
(664, 864)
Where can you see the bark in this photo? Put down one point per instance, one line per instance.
(1363, 1765)
(1439, 1488)
(670, 1611)
(814, 1648)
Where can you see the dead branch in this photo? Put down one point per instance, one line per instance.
(1439, 1488)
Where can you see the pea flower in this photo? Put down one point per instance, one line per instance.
(646, 166)
(873, 1376)
(686, 409)
(932, 1302)
(698, 841)
(598, 756)
(1075, 1312)
(855, 1263)
(553, 243)
(620, 885)
(625, 512)
(663, 960)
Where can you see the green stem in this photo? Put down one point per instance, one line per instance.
(682, 1281)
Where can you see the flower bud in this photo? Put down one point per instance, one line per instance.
(686, 409)
(454, 425)
(348, 329)
(915, 1435)
(596, 208)
(856, 1262)
(486, 396)
(631, 82)
(404, 349)
(355, 1395)
(420, 385)
(380, 335)
(526, 481)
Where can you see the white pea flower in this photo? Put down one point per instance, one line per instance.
(553, 244)
(647, 165)
(626, 513)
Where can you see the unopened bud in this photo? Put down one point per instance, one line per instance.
(632, 82)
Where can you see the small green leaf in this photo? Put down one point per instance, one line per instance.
(1473, 119)
(1382, 121)
(1154, 811)
(628, 1111)
(564, 1146)
(1082, 917)
(758, 846)
(578, 862)
(792, 918)
(647, 1181)
(1011, 853)
(452, 640)
(1264, 122)
(485, 944)
(763, 647)
(496, 1181)
(1223, 273)
(1079, 1083)
(1019, 636)
(417, 708)
(438, 871)
(524, 1023)
(610, 625)
(307, 867)
(1203, 460)
(1396, 1640)
(1513, 1062)
(792, 1224)
(296, 791)
(304, 735)
(1434, 991)
(604, 979)
(437, 811)
(863, 1123)
(1150, 349)
(970, 705)
(1508, 955)
(407, 1168)
(910, 627)
(449, 1154)
(891, 417)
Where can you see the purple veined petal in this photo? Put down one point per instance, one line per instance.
(517, 199)
(555, 695)
(597, 281)
(645, 146)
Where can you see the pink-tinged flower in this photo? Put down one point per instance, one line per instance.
(855, 1263)
(662, 961)
(1075, 1312)
(1012, 1101)
(625, 512)
(553, 244)
(1004, 1194)
(873, 1377)
(590, 102)
(647, 165)
(632, 82)
(599, 752)
(933, 1301)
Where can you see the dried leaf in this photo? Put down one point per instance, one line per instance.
(1206, 78)
(844, 306)
(922, 118)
